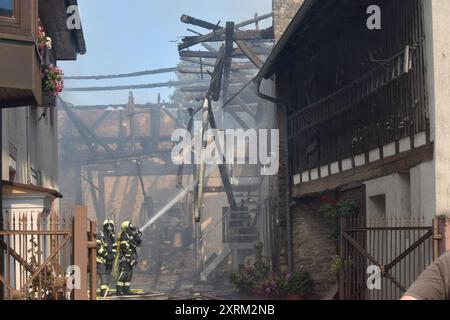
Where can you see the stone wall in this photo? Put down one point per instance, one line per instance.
(283, 12)
(313, 251)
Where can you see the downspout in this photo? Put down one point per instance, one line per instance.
(279, 102)
(28, 126)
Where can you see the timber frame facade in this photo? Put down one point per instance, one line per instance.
(358, 111)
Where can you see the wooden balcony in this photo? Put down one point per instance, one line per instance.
(347, 97)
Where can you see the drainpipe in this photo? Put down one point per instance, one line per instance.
(1, 201)
(279, 102)
(28, 126)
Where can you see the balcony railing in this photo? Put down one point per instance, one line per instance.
(347, 97)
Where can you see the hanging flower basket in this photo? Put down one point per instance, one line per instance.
(52, 84)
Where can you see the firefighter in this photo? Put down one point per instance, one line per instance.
(106, 253)
(130, 240)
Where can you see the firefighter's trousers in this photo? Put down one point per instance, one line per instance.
(104, 271)
(125, 274)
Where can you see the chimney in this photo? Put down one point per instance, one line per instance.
(283, 12)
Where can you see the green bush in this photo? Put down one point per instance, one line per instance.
(296, 283)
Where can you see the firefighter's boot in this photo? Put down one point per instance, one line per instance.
(120, 290)
(127, 290)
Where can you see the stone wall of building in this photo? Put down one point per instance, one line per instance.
(283, 12)
(313, 250)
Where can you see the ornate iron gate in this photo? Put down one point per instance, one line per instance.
(37, 249)
(36, 253)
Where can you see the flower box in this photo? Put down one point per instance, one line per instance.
(52, 84)
(48, 99)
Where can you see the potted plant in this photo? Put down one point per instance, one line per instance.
(333, 210)
(52, 84)
(253, 280)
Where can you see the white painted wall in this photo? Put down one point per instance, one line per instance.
(36, 143)
(396, 190)
(437, 13)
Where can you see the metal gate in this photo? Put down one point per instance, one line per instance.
(381, 258)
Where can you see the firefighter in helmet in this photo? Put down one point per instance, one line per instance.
(130, 240)
(106, 253)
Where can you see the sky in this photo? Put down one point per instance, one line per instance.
(129, 36)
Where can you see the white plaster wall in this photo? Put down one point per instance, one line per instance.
(422, 191)
(407, 195)
(437, 13)
(396, 189)
(41, 147)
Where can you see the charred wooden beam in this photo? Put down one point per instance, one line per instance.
(221, 32)
(195, 71)
(125, 75)
(144, 193)
(229, 33)
(181, 169)
(216, 82)
(146, 170)
(248, 35)
(239, 108)
(198, 54)
(117, 140)
(234, 85)
(236, 68)
(196, 60)
(238, 119)
(131, 119)
(99, 121)
(251, 55)
(199, 23)
(147, 106)
(237, 53)
(169, 84)
(81, 127)
(245, 107)
(155, 124)
(222, 168)
(85, 158)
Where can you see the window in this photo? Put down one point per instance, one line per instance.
(18, 19)
(7, 8)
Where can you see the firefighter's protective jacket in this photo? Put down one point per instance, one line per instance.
(106, 248)
(128, 248)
